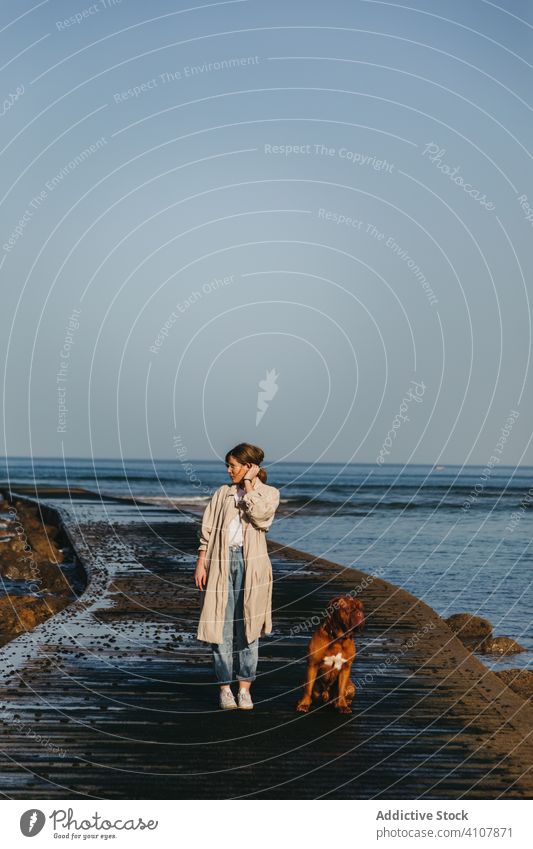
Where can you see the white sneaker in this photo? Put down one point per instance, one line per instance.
(245, 700)
(227, 700)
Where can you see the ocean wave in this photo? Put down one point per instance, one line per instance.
(366, 505)
(182, 499)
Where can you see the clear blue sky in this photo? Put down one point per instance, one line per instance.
(330, 198)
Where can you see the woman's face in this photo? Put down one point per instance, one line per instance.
(236, 470)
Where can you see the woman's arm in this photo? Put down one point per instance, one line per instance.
(200, 573)
(204, 533)
(260, 507)
(207, 523)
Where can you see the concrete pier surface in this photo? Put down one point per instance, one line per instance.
(113, 698)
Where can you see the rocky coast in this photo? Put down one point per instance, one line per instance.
(35, 583)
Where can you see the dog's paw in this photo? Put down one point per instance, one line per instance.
(302, 707)
(344, 709)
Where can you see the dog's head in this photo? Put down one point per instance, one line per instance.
(344, 613)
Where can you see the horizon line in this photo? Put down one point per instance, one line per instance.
(273, 463)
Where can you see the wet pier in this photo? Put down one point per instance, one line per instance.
(114, 698)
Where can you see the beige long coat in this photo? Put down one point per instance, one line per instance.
(258, 508)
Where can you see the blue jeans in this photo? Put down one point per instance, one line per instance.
(234, 620)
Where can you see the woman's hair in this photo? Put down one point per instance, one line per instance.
(244, 452)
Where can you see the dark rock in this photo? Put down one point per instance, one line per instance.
(471, 630)
(22, 613)
(53, 579)
(44, 549)
(15, 562)
(500, 645)
(518, 680)
(51, 531)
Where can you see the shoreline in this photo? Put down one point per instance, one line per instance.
(193, 508)
(38, 580)
(430, 720)
(498, 662)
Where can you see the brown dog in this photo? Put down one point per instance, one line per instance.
(331, 652)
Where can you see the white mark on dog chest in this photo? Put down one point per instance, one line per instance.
(335, 660)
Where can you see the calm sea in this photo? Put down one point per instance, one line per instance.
(456, 539)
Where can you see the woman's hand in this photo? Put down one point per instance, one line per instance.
(200, 573)
(252, 472)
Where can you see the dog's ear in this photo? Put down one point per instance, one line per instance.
(335, 604)
(357, 612)
(333, 620)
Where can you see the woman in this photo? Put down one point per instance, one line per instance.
(234, 571)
